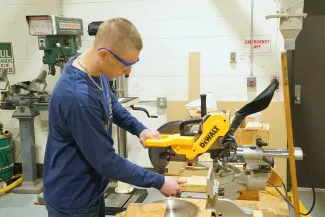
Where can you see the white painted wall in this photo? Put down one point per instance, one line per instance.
(173, 28)
(170, 30)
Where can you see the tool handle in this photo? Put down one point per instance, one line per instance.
(144, 110)
(29, 97)
(203, 105)
(188, 122)
(260, 143)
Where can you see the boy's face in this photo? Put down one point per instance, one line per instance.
(111, 64)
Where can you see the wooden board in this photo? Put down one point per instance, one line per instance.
(249, 195)
(194, 76)
(144, 210)
(254, 126)
(268, 203)
(248, 137)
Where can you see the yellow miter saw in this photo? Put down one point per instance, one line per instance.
(212, 133)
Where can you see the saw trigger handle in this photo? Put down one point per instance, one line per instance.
(189, 122)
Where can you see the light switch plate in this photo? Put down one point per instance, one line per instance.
(251, 81)
(162, 102)
(233, 58)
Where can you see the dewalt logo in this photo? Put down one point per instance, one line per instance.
(209, 137)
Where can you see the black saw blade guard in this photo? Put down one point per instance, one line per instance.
(261, 102)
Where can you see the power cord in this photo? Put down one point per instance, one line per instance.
(312, 186)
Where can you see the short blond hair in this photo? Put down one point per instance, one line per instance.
(118, 34)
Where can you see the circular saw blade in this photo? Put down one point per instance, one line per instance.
(180, 208)
(156, 160)
(157, 155)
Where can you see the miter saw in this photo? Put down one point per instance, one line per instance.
(212, 133)
(183, 141)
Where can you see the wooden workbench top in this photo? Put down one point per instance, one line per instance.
(268, 204)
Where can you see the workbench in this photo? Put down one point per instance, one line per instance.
(268, 206)
(266, 203)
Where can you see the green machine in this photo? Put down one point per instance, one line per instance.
(6, 156)
(59, 38)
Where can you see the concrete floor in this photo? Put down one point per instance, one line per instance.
(306, 197)
(16, 205)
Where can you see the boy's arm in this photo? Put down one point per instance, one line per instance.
(96, 144)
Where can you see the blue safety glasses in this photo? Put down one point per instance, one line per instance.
(127, 64)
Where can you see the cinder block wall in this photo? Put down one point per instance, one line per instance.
(170, 30)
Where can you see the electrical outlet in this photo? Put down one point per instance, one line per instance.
(233, 57)
(251, 81)
(162, 102)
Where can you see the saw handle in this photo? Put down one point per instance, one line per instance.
(188, 122)
(203, 105)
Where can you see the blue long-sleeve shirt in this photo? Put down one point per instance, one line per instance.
(80, 159)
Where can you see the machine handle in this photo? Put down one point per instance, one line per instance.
(188, 122)
(203, 105)
(144, 110)
(29, 97)
(260, 143)
(168, 140)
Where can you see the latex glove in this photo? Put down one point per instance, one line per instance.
(148, 134)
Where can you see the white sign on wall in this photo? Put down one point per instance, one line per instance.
(260, 43)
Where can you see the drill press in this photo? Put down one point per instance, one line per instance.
(59, 38)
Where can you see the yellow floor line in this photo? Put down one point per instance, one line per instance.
(301, 206)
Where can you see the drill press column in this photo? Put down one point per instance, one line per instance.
(121, 133)
(122, 188)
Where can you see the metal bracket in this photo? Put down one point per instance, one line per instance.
(290, 27)
(162, 102)
(297, 94)
(304, 15)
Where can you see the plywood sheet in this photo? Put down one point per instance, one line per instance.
(144, 210)
(268, 203)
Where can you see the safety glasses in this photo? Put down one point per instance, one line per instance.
(125, 63)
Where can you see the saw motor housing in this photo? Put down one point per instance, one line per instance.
(188, 144)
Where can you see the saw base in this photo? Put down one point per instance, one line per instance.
(116, 203)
